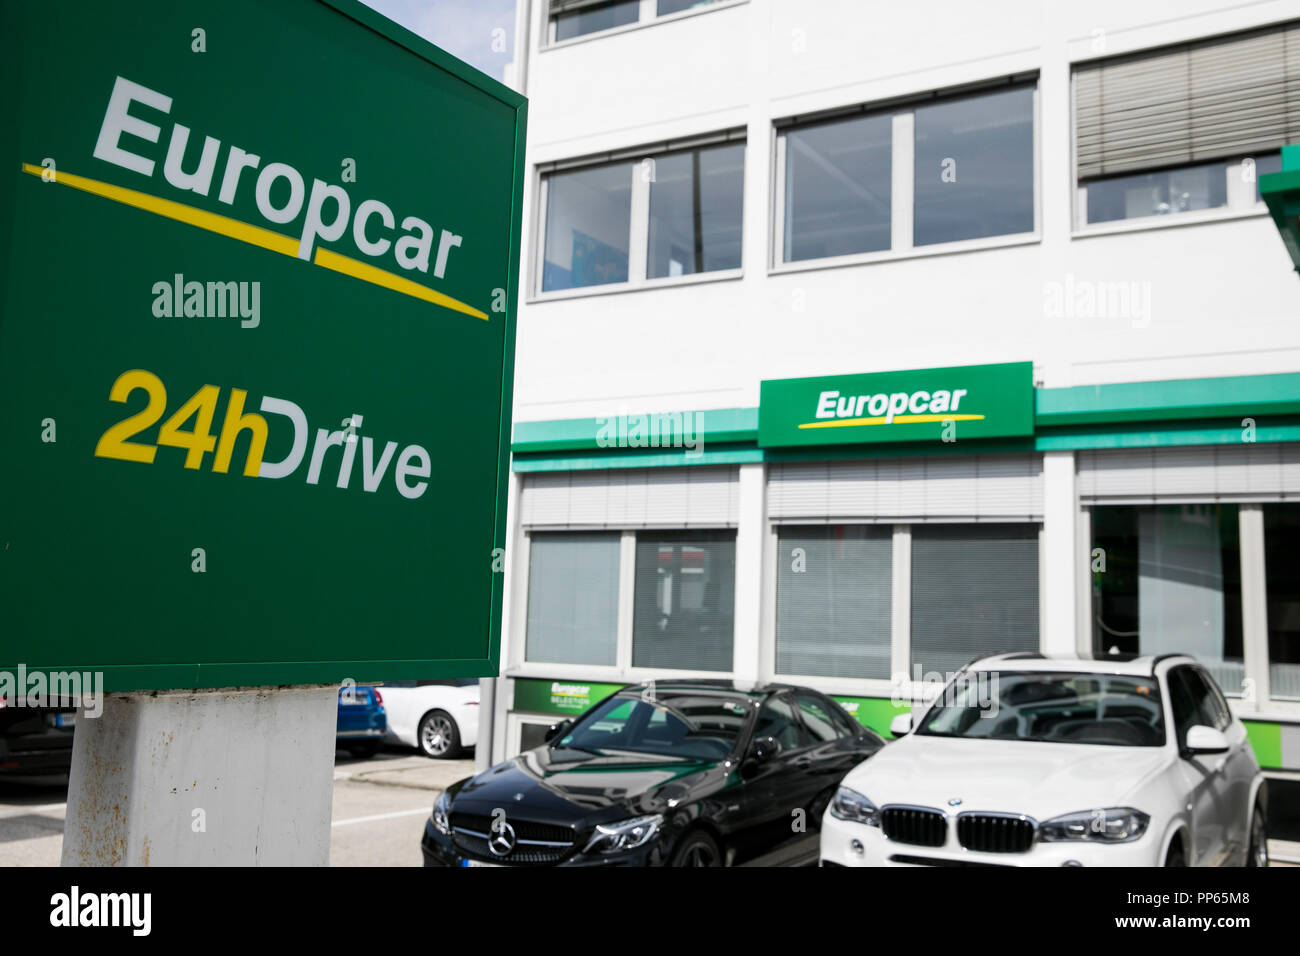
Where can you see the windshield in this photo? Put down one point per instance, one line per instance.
(675, 726)
(1063, 708)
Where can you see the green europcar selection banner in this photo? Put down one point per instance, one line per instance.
(567, 697)
(259, 266)
(875, 713)
(934, 404)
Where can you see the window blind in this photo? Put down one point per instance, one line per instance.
(685, 602)
(833, 601)
(572, 598)
(974, 593)
(923, 488)
(1211, 99)
(1248, 471)
(569, 6)
(631, 498)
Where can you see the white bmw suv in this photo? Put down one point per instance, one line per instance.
(1029, 761)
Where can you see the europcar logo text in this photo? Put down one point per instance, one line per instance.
(890, 408)
(326, 211)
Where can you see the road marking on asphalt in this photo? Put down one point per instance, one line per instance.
(25, 811)
(381, 816)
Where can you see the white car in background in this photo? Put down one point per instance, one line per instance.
(440, 718)
(1029, 761)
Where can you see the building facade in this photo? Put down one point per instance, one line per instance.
(857, 340)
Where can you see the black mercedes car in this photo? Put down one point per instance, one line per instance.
(667, 773)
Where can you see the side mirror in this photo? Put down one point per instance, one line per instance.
(557, 730)
(763, 748)
(1205, 740)
(901, 725)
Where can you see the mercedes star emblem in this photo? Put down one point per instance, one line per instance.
(502, 840)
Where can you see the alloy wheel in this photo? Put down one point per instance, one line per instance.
(437, 735)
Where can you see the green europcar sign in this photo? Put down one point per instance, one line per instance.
(567, 697)
(259, 268)
(933, 404)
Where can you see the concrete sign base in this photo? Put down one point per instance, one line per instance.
(230, 777)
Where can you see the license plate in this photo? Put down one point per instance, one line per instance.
(477, 863)
(65, 720)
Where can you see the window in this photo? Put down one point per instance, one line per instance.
(777, 719)
(583, 18)
(666, 7)
(676, 725)
(684, 208)
(695, 211)
(974, 593)
(833, 601)
(1182, 699)
(1167, 579)
(1074, 708)
(575, 18)
(572, 598)
(968, 174)
(588, 222)
(1282, 577)
(685, 600)
(1184, 128)
(820, 720)
(974, 168)
(1216, 708)
(837, 188)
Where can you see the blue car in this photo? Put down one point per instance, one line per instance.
(362, 720)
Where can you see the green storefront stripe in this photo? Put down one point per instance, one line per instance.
(1266, 741)
(1248, 396)
(1205, 411)
(714, 426)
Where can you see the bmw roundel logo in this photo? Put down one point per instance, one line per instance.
(955, 802)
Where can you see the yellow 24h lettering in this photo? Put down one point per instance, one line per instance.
(198, 441)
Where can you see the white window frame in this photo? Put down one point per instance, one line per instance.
(639, 217)
(1241, 202)
(1241, 205)
(646, 18)
(622, 670)
(1254, 608)
(900, 687)
(902, 187)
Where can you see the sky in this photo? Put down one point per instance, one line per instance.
(480, 32)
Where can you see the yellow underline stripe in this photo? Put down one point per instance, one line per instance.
(256, 236)
(898, 420)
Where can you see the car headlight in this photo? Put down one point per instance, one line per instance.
(441, 806)
(624, 835)
(854, 807)
(1112, 825)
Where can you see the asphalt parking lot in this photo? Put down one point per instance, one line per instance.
(380, 806)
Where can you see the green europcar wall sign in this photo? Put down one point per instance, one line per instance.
(935, 404)
(567, 697)
(259, 268)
